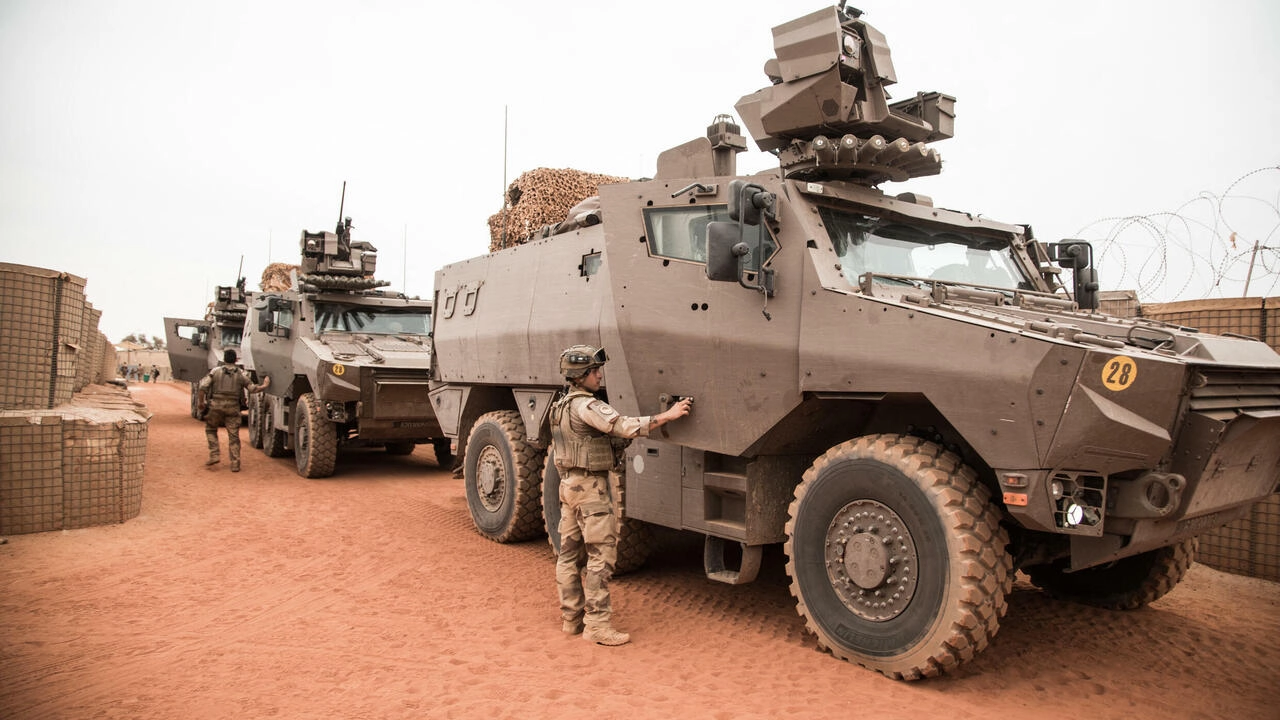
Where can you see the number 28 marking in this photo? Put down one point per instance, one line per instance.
(1119, 373)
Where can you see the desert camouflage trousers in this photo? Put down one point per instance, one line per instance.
(588, 547)
(223, 413)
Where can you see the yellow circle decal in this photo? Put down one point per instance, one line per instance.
(1119, 373)
(339, 369)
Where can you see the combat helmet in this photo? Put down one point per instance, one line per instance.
(578, 360)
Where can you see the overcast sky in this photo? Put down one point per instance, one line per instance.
(152, 145)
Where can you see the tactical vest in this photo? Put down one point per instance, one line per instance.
(591, 451)
(223, 383)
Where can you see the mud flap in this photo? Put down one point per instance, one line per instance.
(713, 562)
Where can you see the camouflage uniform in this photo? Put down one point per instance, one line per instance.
(221, 389)
(584, 455)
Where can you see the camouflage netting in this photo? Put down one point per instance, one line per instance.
(71, 448)
(276, 277)
(541, 197)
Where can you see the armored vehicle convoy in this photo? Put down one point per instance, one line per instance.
(196, 346)
(349, 364)
(909, 399)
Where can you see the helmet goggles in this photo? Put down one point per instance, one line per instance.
(580, 357)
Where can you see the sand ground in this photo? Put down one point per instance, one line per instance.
(369, 595)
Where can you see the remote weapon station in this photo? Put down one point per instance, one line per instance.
(914, 402)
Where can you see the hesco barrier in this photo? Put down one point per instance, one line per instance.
(71, 448)
(41, 330)
(1242, 316)
(1250, 546)
(73, 466)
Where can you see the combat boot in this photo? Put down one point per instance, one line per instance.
(213, 460)
(606, 635)
(571, 627)
(235, 466)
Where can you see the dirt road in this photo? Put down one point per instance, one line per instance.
(369, 595)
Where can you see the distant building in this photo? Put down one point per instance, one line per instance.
(144, 358)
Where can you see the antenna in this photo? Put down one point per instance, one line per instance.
(342, 204)
(504, 176)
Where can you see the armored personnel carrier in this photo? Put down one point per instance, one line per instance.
(915, 402)
(196, 346)
(349, 363)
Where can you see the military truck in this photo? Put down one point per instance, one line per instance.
(349, 363)
(196, 346)
(915, 402)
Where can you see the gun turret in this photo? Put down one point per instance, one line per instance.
(331, 261)
(828, 115)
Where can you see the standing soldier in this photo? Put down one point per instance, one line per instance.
(219, 393)
(581, 427)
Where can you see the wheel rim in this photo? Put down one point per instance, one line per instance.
(491, 478)
(871, 560)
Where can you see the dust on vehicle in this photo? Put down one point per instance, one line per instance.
(915, 402)
(349, 363)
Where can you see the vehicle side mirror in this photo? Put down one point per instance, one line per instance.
(1077, 256)
(724, 239)
(1086, 282)
(749, 202)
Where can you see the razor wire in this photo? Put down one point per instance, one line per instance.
(1214, 245)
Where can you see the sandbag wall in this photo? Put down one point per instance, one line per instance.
(71, 447)
(1251, 545)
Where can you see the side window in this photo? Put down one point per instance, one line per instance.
(193, 334)
(680, 233)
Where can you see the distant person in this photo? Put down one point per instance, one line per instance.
(219, 393)
(581, 431)
(155, 373)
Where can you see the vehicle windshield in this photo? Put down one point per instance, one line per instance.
(332, 317)
(231, 336)
(868, 244)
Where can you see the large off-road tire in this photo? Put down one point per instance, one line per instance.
(443, 448)
(1126, 584)
(896, 556)
(255, 420)
(400, 448)
(502, 474)
(315, 439)
(273, 441)
(635, 537)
